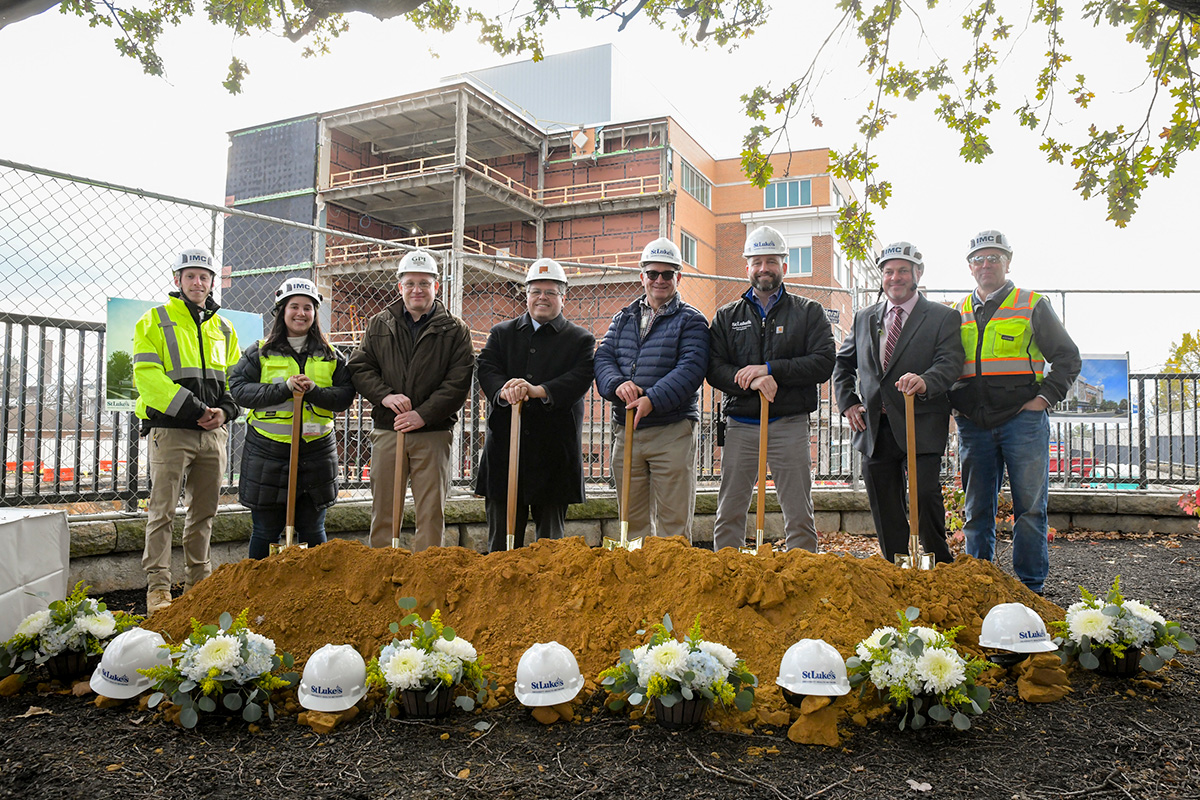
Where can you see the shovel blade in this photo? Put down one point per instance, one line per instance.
(905, 561)
(512, 541)
(624, 543)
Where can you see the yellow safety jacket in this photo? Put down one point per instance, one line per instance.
(1006, 346)
(275, 422)
(181, 368)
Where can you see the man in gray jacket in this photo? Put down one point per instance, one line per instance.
(903, 344)
(780, 345)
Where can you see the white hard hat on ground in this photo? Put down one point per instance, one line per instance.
(335, 678)
(418, 261)
(545, 269)
(294, 286)
(984, 239)
(812, 666)
(906, 251)
(194, 257)
(547, 674)
(765, 241)
(117, 675)
(1016, 628)
(661, 251)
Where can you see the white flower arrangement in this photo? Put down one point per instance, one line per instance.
(431, 658)
(670, 670)
(921, 672)
(76, 624)
(226, 662)
(1093, 627)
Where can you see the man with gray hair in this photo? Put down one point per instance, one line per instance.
(1001, 402)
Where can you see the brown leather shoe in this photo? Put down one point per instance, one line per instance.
(157, 600)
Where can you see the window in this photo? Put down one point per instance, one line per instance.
(787, 194)
(696, 184)
(687, 248)
(799, 261)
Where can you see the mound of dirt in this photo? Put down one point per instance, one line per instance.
(593, 600)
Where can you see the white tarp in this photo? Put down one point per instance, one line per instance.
(35, 547)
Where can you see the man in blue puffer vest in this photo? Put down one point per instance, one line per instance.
(653, 360)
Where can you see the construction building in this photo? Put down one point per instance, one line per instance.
(476, 171)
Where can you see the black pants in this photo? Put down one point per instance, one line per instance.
(549, 522)
(887, 488)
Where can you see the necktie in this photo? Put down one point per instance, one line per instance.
(893, 334)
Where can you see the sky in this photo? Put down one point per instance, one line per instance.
(81, 108)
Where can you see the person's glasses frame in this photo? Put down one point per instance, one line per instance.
(991, 258)
(653, 274)
(543, 292)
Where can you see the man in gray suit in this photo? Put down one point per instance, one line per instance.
(901, 345)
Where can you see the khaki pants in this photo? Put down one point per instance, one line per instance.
(427, 462)
(789, 461)
(662, 483)
(178, 455)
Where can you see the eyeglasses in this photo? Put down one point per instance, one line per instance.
(417, 284)
(992, 259)
(653, 274)
(543, 292)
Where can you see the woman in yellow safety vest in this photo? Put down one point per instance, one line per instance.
(296, 356)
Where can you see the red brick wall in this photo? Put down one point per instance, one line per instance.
(342, 219)
(347, 153)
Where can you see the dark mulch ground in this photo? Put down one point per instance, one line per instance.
(1110, 738)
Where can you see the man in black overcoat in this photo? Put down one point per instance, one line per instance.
(546, 361)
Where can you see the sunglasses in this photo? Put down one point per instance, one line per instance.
(653, 274)
(992, 259)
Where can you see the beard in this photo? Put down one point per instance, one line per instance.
(767, 283)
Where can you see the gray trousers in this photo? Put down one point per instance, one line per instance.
(790, 467)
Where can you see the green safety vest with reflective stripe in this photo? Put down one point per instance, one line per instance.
(174, 362)
(1007, 346)
(275, 422)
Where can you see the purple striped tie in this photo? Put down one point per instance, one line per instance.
(893, 334)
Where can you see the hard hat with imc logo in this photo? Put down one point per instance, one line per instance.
(994, 239)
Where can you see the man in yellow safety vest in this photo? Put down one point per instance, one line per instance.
(1001, 402)
(183, 352)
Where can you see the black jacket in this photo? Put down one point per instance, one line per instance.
(794, 340)
(263, 481)
(558, 356)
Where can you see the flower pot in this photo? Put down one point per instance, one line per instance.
(415, 704)
(1122, 667)
(683, 714)
(68, 665)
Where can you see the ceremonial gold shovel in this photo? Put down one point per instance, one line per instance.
(625, 542)
(514, 465)
(914, 559)
(762, 476)
(398, 483)
(289, 527)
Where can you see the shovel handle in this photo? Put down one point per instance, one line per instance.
(294, 465)
(398, 482)
(764, 405)
(910, 431)
(514, 468)
(627, 467)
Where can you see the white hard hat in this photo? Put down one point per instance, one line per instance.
(117, 675)
(812, 666)
(765, 241)
(418, 261)
(984, 239)
(547, 674)
(661, 251)
(335, 678)
(1016, 628)
(545, 269)
(293, 286)
(905, 251)
(194, 257)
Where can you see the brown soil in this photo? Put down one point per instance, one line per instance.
(593, 600)
(1109, 737)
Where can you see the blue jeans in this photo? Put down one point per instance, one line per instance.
(1022, 445)
(268, 523)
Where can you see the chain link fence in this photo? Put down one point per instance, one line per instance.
(69, 245)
